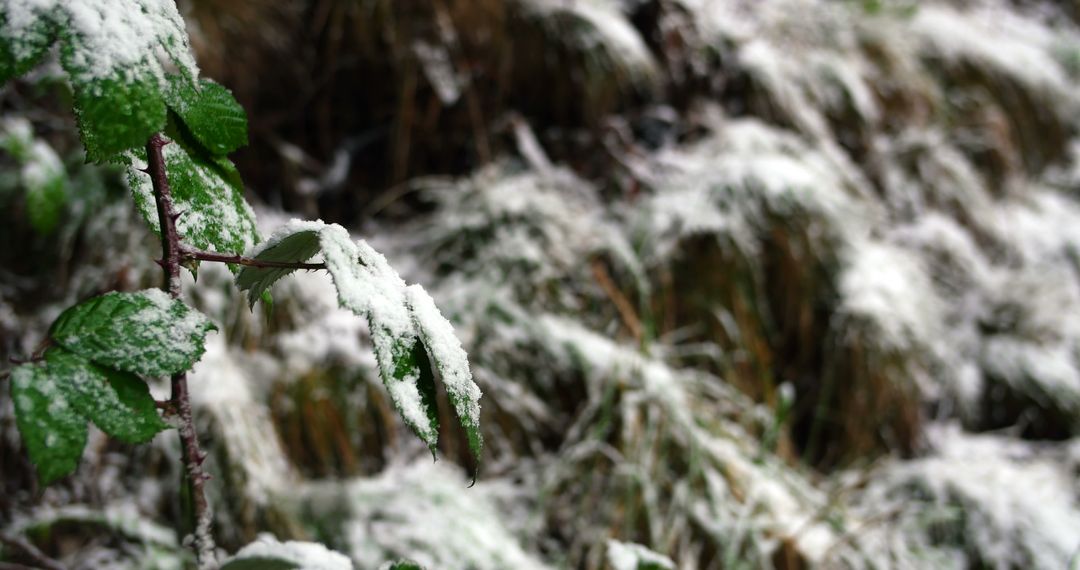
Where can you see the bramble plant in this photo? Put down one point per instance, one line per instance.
(140, 103)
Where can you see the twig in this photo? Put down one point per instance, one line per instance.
(193, 457)
(200, 255)
(30, 551)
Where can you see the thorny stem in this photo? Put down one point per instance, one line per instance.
(171, 256)
(200, 255)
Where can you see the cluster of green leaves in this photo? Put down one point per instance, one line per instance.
(119, 109)
(93, 371)
(101, 351)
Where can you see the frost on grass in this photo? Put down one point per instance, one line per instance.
(421, 511)
(630, 556)
(988, 500)
(601, 32)
(144, 542)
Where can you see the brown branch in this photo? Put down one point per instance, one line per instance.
(171, 256)
(31, 552)
(200, 255)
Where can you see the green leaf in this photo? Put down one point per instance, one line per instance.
(450, 359)
(404, 565)
(206, 191)
(53, 431)
(211, 113)
(117, 402)
(290, 246)
(368, 286)
(408, 332)
(145, 333)
(411, 382)
(22, 44)
(115, 115)
(45, 203)
(260, 563)
(42, 173)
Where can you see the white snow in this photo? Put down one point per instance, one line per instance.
(305, 555)
(445, 350)
(629, 556)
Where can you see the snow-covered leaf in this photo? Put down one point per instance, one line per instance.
(408, 332)
(55, 398)
(445, 351)
(267, 553)
(52, 430)
(211, 113)
(368, 286)
(208, 193)
(115, 115)
(146, 332)
(292, 245)
(117, 402)
(115, 53)
(25, 36)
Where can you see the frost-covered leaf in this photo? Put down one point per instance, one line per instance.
(115, 53)
(407, 330)
(445, 351)
(266, 553)
(295, 243)
(145, 333)
(206, 191)
(25, 35)
(117, 402)
(52, 429)
(368, 286)
(55, 398)
(211, 113)
(115, 115)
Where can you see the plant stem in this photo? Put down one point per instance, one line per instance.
(171, 255)
(200, 255)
